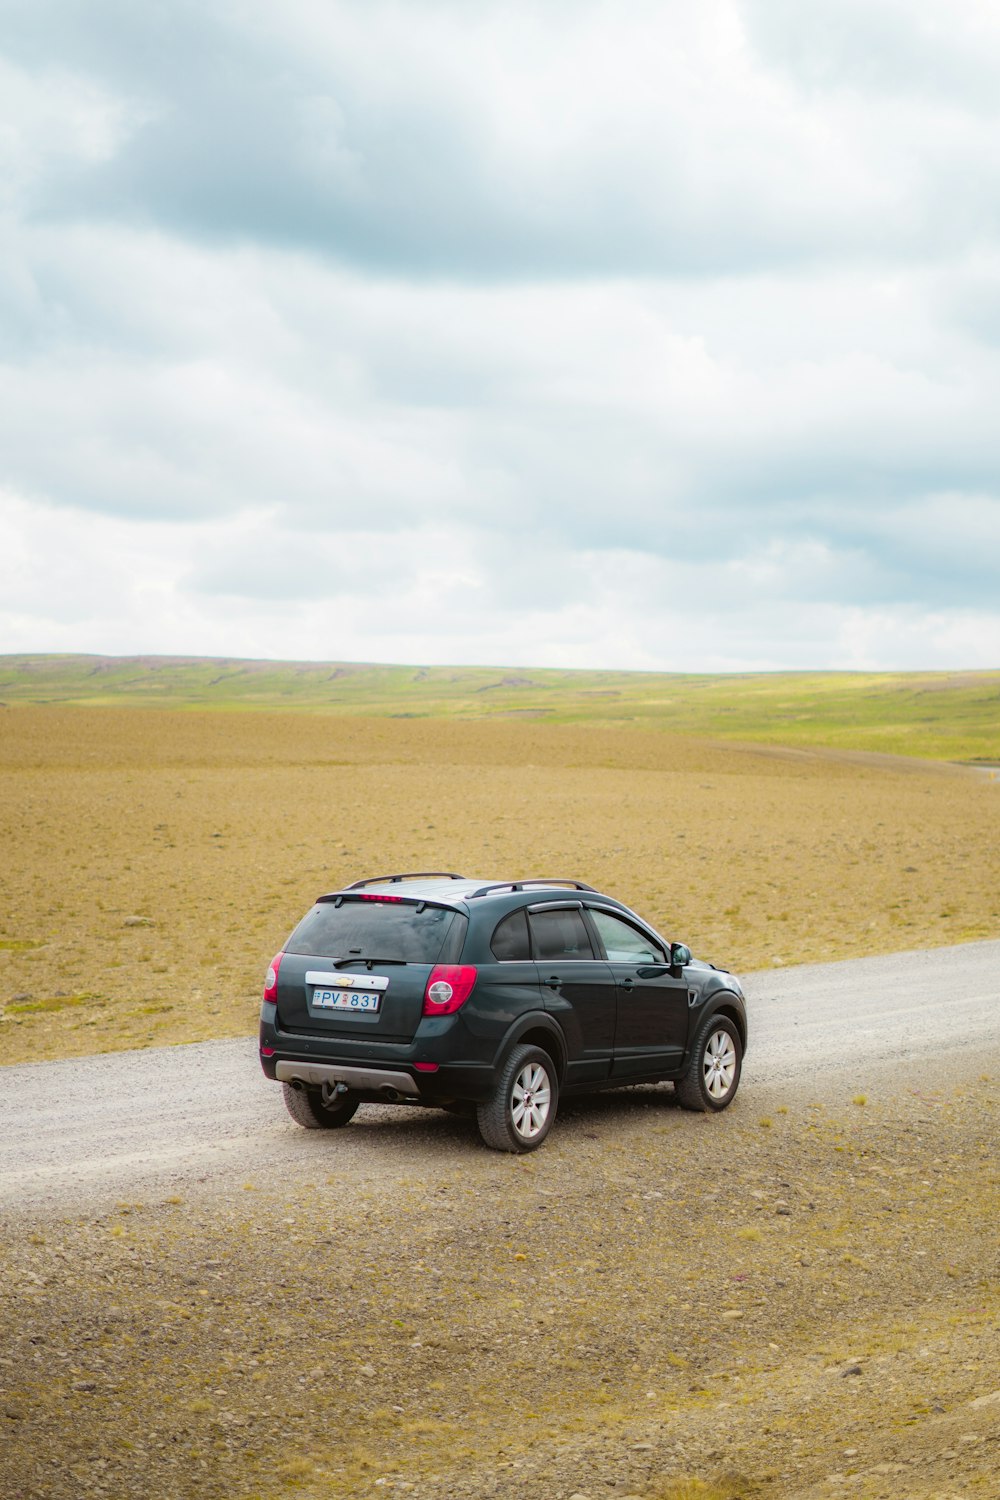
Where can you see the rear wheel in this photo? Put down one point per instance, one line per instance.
(306, 1108)
(713, 1074)
(519, 1113)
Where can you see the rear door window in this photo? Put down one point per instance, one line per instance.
(559, 932)
(405, 931)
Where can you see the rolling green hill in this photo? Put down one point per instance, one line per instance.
(947, 716)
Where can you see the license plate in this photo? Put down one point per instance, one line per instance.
(356, 992)
(346, 1000)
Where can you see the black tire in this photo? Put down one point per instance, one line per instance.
(713, 1073)
(520, 1111)
(307, 1109)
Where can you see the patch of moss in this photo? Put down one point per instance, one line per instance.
(52, 1003)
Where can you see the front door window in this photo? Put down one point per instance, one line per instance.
(624, 943)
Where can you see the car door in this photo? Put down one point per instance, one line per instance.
(651, 1005)
(577, 987)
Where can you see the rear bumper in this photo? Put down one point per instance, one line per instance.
(467, 1081)
(358, 1080)
(438, 1065)
(448, 1060)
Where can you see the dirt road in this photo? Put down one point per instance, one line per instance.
(96, 1129)
(796, 1300)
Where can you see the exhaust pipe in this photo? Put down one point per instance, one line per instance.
(393, 1095)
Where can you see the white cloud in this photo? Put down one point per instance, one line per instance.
(584, 335)
(508, 140)
(53, 120)
(244, 586)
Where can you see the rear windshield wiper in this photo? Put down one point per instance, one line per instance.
(362, 958)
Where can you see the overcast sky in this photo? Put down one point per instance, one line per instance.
(551, 333)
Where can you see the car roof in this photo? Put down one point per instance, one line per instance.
(454, 890)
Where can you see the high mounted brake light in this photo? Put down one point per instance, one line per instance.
(271, 980)
(448, 988)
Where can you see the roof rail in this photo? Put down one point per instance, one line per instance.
(521, 885)
(407, 875)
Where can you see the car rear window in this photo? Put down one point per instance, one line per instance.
(510, 940)
(400, 930)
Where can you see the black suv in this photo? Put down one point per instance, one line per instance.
(492, 997)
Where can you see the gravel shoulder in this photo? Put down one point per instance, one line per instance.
(797, 1298)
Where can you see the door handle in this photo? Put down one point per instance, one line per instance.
(628, 984)
(554, 982)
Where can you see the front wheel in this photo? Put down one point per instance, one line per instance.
(306, 1108)
(713, 1074)
(519, 1113)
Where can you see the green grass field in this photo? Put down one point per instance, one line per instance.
(936, 715)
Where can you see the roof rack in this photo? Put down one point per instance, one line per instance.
(521, 885)
(408, 875)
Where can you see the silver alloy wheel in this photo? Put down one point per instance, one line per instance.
(719, 1064)
(530, 1100)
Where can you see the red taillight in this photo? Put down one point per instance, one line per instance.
(448, 988)
(384, 900)
(271, 980)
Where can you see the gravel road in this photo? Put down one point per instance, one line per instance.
(101, 1128)
(795, 1300)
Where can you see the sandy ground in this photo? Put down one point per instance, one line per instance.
(154, 861)
(795, 1303)
(797, 1299)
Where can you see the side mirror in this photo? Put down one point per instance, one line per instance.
(680, 956)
